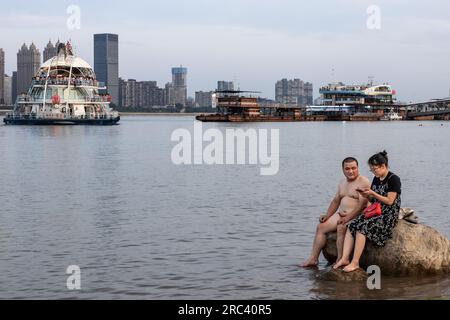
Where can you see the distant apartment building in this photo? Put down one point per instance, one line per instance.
(225, 86)
(106, 63)
(203, 99)
(28, 63)
(294, 92)
(7, 90)
(50, 50)
(2, 76)
(141, 94)
(169, 94)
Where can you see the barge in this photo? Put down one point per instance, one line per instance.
(239, 106)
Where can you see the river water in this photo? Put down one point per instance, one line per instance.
(111, 201)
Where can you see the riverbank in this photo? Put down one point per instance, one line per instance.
(159, 113)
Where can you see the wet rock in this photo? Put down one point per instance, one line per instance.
(339, 275)
(413, 250)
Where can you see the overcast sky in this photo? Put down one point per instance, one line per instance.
(253, 42)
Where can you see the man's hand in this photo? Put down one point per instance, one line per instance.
(343, 220)
(323, 218)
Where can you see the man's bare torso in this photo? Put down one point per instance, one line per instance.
(348, 194)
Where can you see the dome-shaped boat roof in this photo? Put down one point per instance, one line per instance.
(66, 61)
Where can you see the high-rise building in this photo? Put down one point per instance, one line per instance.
(14, 87)
(294, 92)
(7, 98)
(169, 94)
(225, 86)
(2, 76)
(50, 50)
(28, 63)
(141, 94)
(179, 86)
(203, 99)
(106, 63)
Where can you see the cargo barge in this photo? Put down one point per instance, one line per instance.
(240, 106)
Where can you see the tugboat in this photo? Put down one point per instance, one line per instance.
(63, 92)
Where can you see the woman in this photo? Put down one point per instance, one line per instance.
(386, 190)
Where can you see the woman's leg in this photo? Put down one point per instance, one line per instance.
(348, 247)
(360, 243)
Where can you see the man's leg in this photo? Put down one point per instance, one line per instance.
(348, 247)
(321, 239)
(360, 243)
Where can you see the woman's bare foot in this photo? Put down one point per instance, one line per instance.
(351, 267)
(340, 263)
(310, 263)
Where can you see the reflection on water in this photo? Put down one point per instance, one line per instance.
(110, 200)
(428, 287)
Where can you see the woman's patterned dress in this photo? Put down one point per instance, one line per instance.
(379, 229)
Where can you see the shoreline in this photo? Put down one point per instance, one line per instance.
(159, 113)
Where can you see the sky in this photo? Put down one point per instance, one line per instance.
(254, 43)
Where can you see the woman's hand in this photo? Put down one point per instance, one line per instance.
(366, 193)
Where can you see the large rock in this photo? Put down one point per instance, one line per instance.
(414, 249)
(339, 275)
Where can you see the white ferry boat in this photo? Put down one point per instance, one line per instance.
(391, 116)
(64, 91)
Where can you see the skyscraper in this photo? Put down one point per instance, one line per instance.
(179, 85)
(106, 62)
(2, 76)
(50, 50)
(28, 63)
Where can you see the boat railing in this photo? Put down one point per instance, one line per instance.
(62, 116)
(65, 81)
(100, 99)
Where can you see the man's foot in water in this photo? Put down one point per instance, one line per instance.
(310, 263)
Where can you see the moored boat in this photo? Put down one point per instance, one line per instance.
(65, 91)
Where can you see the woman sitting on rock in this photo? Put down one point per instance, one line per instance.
(385, 190)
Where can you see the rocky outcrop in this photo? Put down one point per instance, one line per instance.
(413, 250)
(331, 274)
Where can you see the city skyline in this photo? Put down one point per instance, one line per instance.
(279, 40)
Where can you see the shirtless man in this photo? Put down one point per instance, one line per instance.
(345, 206)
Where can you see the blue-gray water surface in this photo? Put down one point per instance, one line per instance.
(111, 201)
